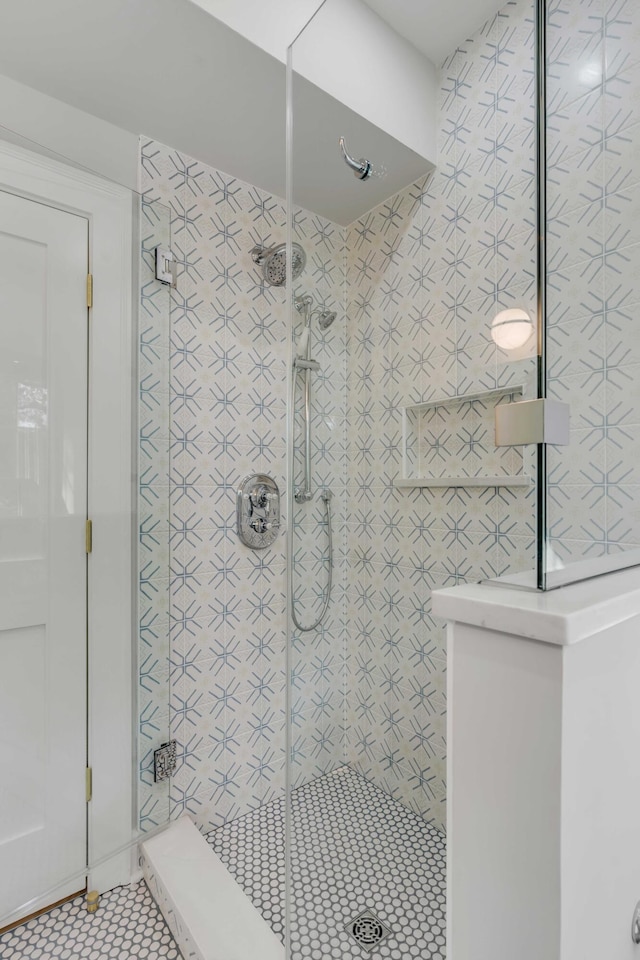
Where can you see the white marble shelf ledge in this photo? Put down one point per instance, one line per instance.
(519, 480)
(563, 616)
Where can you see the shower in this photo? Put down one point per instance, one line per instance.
(362, 168)
(273, 261)
(303, 363)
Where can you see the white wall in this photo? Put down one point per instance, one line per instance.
(222, 98)
(45, 125)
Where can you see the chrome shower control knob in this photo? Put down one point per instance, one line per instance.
(258, 511)
(259, 497)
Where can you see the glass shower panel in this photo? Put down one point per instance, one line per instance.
(318, 494)
(317, 541)
(404, 388)
(593, 289)
(154, 534)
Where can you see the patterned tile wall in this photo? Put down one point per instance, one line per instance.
(415, 284)
(426, 273)
(225, 371)
(594, 277)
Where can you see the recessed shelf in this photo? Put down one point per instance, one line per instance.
(451, 443)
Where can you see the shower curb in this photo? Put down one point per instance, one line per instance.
(208, 913)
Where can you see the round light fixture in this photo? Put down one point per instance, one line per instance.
(512, 328)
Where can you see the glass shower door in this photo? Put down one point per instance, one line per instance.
(365, 792)
(157, 651)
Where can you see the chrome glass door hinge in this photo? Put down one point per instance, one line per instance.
(532, 421)
(165, 761)
(166, 266)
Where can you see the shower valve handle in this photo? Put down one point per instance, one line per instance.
(260, 525)
(260, 497)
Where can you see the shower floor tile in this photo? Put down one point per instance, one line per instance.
(354, 849)
(127, 926)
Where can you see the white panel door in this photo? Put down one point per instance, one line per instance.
(43, 563)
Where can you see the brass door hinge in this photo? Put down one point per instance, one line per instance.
(89, 536)
(89, 289)
(88, 784)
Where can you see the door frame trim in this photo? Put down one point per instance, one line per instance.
(109, 209)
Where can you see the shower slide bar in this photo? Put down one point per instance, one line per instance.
(304, 493)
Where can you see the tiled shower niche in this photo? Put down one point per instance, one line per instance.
(449, 443)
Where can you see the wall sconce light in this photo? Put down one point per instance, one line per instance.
(511, 328)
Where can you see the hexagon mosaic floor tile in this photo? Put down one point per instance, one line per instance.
(127, 926)
(356, 854)
(367, 878)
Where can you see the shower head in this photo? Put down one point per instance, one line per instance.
(362, 169)
(326, 318)
(273, 261)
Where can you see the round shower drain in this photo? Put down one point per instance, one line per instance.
(368, 930)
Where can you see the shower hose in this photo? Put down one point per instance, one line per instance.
(326, 496)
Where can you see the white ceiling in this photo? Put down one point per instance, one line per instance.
(170, 71)
(272, 25)
(436, 27)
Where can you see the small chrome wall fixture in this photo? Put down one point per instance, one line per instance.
(166, 266)
(362, 168)
(258, 511)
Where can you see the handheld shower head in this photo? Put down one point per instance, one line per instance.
(303, 304)
(326, 318)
